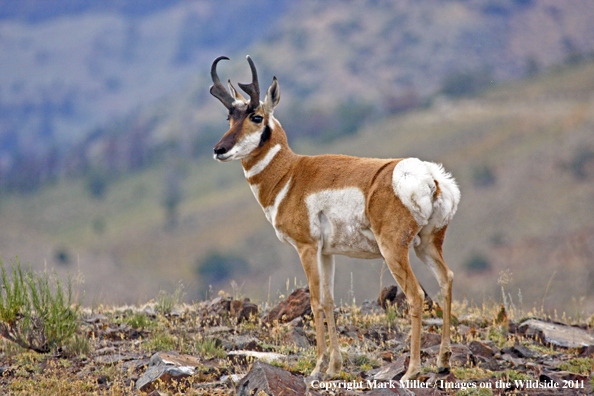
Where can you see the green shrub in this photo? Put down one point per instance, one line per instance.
(218, 268)
(483, 176)
(167, 302)
(580, 162)
(209, 347)
(477, 264)
(466, 83)
(36, 311)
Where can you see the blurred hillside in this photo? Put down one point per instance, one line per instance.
(107, 128)
(80, 79)
(69, 69)
(522, 152)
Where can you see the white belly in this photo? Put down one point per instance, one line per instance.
(337, 219)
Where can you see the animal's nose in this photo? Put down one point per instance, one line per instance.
(220, 150)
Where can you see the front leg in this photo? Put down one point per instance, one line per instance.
(327, 266)
(309, 260)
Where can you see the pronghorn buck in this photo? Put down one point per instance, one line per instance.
(334, 204)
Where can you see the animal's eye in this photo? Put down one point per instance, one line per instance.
(256, 119)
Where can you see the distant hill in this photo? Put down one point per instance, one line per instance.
(78, 77)
(69, 69)
(35, 11)
(343, 64)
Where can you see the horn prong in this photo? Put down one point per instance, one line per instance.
(217, 89)
(252, 89)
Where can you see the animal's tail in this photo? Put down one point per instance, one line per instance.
(427, 190)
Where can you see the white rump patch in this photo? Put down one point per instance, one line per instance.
(414, 185)
(263, 163)
(414, 180)
(446, 203)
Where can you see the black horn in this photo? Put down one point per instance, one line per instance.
(218, 90)
(253, 89)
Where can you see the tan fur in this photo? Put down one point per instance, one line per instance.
(385, 218)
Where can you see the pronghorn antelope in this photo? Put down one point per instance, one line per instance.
(334, 204)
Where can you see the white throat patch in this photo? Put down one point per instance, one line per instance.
(272, 210)
(263, 163)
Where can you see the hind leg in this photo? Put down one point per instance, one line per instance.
(394, 243)
(430, 252)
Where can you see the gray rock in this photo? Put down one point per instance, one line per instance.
(248, 356)
(556, 334)
(296, 337)
(166, 367)
(371, 308)
(433, 322)
(525, 352)
(296, 305)
(273, 381)
(396, 390)
(394, 370)
(482, 348)
(241, 342)
(117, 358)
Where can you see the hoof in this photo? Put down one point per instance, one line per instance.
(411, 375)
(321, 366)
(331, 373)
(443, 370)
(313, 377)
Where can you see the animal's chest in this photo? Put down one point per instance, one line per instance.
(337, 219)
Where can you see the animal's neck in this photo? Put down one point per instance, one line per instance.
(266, 170)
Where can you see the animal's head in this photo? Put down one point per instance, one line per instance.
(249, 120)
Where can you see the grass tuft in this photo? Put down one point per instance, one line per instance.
(37, 311)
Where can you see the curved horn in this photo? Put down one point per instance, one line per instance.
(218, 89)
(253, 89)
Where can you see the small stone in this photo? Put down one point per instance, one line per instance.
(387, 296)
(393, 371)
(459, 359)
(587, 351)
(269, 380)
(241, 342)
(117, 358)
(430, 339)
(247, 356)
(525, 352)
(481, 348)
(371, 308)
(296, 337)
(233, 378)
(296, 305)
(437, 322)
(242, 310)
(166, 367)
(395, 389)
(515, 361)
(96, 318)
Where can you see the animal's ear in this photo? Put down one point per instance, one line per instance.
(272, 96)
(234, 92)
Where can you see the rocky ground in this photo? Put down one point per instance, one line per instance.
(228, 346)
